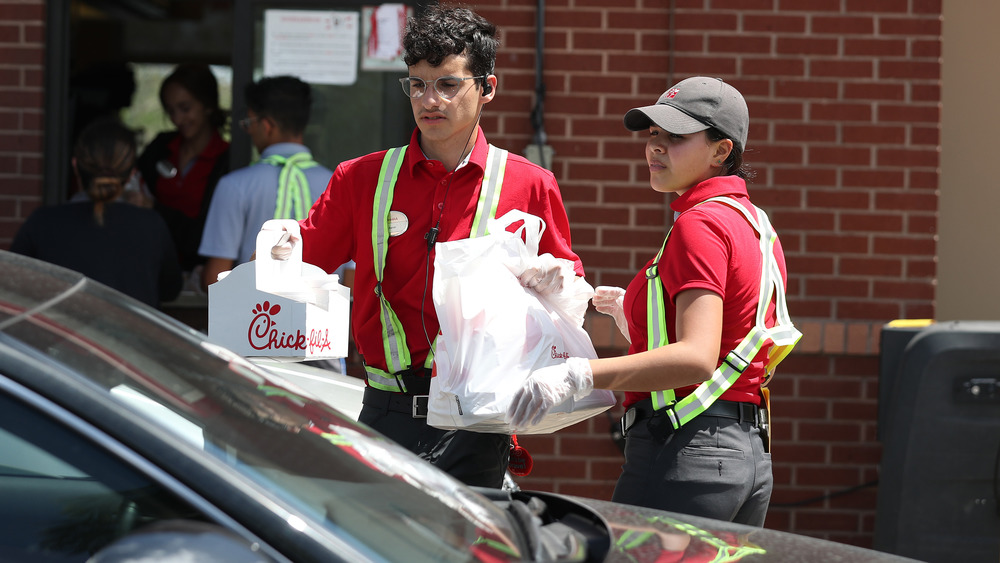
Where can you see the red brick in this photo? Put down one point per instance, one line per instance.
(874, 91)
(774, 66)
(804, 220)
(839, 155)
(810, 5)
(805, 132)
(839, 112)
(875, 134)
(839, 199)
(904, 290)
(873, 178)
(805, 177)
(739, 43)
(871, 222)
(908, 157)
(842, 25)
(837, 244)
(879, 6)
(864, 46)
(806, 46)
(903, 246)
(822, 68)
(650, 19)
(910, 27)
(868, 266)
(837, 287)
(774, 23)
(909, 70)
(801, 265)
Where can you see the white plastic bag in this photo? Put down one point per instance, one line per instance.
(494, 332)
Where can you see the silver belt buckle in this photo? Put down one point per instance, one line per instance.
(628, 420)
(416, 406)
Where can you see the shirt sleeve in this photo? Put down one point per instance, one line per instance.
(696, 257)
(327, 232)
(225, 223)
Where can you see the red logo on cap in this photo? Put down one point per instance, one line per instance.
(672, 92)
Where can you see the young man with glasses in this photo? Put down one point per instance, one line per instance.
(283, 184)
(385, 211)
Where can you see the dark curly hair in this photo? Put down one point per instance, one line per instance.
(441, 31)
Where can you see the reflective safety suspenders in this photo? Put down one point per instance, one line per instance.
(783, 335)
(397, 353)
(294, 198)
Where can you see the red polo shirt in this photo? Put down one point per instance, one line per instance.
(710, 247)
(186, 189)
(339, 228)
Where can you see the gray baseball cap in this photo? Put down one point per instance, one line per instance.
(693, 105)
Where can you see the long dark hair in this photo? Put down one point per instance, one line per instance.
(105, 159)
(734, 165)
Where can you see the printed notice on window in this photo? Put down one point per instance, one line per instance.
(320, 47)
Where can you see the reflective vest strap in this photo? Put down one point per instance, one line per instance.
(489, 193)
(397, 353)
(383, 380)
(783, 334)
(294, 198)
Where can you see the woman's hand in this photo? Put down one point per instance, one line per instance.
(610, 301)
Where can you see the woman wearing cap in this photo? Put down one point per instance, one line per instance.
(703, 335)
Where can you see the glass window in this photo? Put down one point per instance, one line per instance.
(63, 497)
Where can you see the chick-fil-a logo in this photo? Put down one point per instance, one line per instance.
(557, 354)
(262, 334)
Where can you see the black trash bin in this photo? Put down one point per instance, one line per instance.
(939, 423)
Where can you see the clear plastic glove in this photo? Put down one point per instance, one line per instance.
(611, 301)
(546, 388)
(545, 274)
(282, 250)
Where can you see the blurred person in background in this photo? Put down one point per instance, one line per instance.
(180, 168)
(283, 184)
(121, 245)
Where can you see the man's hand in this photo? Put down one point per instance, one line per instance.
(545, 274)
(611, 301)
(282, 250)
(546, 388)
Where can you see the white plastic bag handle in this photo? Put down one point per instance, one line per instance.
(273, 275)
(532, 228)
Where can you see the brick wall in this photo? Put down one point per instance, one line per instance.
(844, 103)
(22, 53)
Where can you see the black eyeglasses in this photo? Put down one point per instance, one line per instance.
(245, 122)
(446, 86)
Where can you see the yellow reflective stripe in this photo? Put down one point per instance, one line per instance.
(397, 353)
(293, 197)
(784, 335)
(383, 380)
(489, 193)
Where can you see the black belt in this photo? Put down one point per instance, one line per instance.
(413, 405)
(743, 412)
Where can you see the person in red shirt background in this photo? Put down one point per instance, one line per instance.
(180, 168)
(701, 333)
(450, 54)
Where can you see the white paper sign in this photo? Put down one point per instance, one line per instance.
(320, 47)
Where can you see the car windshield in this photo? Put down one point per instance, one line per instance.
(311, 458)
